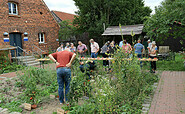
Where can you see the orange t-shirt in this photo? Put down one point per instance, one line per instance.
(63, 57)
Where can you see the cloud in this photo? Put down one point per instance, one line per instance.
(67, 6)
(152, 4)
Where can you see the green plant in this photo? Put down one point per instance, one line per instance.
(6, 66)
(37, 84)
(12, 105)
(122, 90)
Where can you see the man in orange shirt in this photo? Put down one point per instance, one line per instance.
(63, 60)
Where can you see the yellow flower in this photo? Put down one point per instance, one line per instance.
(113, 62)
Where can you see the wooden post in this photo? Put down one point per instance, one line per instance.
(10, 56)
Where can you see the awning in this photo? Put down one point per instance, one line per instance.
(7, 47)
(126, 30)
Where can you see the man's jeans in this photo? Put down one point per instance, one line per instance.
(140, 56)
(63, 77)
(93, 55)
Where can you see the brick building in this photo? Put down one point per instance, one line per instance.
(28, 23)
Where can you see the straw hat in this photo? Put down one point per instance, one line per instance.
(153, 42)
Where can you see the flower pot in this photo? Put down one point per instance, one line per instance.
(34, 106)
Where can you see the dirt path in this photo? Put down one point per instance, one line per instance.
(47, 108)
(169, 97)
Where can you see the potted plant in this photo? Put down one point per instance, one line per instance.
(33, 100)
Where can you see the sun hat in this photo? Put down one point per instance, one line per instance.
(91, 40)
(148, 40)
(145, 36)
(153, 42)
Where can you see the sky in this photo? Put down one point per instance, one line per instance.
(69, 7)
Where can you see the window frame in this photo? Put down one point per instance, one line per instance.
(39, 35)
(11, 8)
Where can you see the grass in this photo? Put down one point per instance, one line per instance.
(164, 65)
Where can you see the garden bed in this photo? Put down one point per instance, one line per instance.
(121, 89)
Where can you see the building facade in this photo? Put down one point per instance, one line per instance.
(28, 24)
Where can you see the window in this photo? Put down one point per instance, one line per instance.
(13, 8)
(41, 37)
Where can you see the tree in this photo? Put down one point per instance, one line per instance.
(67, 30)
(160, 25)
(93, 13)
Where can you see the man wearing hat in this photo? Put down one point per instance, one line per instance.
(152, 54)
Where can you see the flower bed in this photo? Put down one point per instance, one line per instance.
(33, 87)
(122, 90)
(6, 66)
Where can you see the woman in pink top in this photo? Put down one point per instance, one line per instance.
(126, 47)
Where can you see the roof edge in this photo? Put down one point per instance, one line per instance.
(50, 13)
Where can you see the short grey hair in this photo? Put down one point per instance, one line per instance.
(91, 40)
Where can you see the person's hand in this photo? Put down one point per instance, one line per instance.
(68, 65)
(80, 51)
(57, 63)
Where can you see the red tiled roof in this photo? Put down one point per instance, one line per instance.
(65, 16)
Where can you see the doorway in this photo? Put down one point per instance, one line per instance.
(16, 40)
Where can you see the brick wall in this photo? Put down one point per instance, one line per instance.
(34, 17)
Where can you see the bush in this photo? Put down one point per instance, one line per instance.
(37, 84)
(6, 66)
(121, 90)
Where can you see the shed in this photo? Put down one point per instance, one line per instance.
(126, 30)
(116, 32)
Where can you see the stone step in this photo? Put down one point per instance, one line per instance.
(23, 57)
(30, 62)
(33, 64)
(28, 59)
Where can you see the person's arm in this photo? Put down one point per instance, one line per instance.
(154, 52)
(53, 59)
(75, 49)
(97, 51)
(98, 48)
(85, 49)
(71, 61)
(142, 49)
(57, 49)
(130, 47)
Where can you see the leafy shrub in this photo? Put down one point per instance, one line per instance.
(6, 66)
(37, 84)
(121, 90)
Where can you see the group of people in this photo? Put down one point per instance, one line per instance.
(64, 56)
(109, 47)
(81, 49)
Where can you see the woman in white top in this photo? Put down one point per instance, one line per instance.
(152, 53)
(73, 48)
(60, 48)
